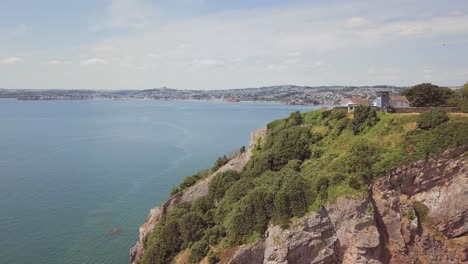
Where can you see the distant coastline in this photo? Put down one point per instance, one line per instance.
(289, 94)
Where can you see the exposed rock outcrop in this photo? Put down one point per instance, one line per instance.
(198, 190)
(344, 232)
(441, 184)
(384, 227)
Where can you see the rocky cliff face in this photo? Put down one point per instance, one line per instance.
(190, 194)
(388, 226)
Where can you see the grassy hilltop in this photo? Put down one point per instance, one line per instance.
(304, 161)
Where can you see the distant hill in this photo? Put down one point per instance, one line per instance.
(280, 93)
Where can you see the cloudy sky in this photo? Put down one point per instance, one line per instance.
(220, 44)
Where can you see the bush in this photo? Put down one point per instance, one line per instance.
(294, 165)
(292, 199)
(221, 161)
(364, 117)
(422, 143)
(214, 234)
(242, 149)
(355, 182)
(337, 114)
(199, 250)
(295, 119)
(251, 214)
(212, 257)
(191, 227)
(189, 181)
(432, 119)
(202, 205)
(421, 210)
(221, 182)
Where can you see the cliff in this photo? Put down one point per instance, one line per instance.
(384, 227)
(325, 187)
(198, 190)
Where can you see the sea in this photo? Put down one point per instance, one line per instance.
(77, 178)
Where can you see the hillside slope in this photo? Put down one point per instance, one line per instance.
(314, 190)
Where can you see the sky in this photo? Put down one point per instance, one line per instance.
(223, 44)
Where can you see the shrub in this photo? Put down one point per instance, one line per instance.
(364, 117)
(251, 214)
(212, 257)
(221, 182)
(191, 226)
(422, 143)
(202, 205)
(292, 199)
(294, 165)
(199, 250)
(421, 210)
(189, 181)
(242, 149)
(432, 119)
(220, 161)
(361, 157)
(355, 182)
(214, 234)
(295, 119)
(337, 114)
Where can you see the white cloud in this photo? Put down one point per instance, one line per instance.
(58, 62)
(145, 45)
(208, 62)
(316, 65)
(93, 61)
(11, 60)
(356, 22)
(154, 55)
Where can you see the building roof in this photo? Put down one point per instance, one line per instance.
(399, 98)
(356, 100)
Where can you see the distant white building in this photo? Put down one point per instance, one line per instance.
(397, 101)
(353, 103)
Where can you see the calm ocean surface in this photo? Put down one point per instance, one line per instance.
(71, 171)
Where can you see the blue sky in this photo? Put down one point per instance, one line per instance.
(216, 44)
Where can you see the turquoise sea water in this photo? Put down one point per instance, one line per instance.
(71, 171)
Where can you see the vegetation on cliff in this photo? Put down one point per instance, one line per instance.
(304, 161)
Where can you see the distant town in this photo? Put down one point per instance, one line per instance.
(290, 94)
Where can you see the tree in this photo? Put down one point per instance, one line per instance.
(464, 91)
(191, 227)
(427, 94)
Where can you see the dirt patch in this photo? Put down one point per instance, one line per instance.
(459, 114)
(410, 126)
(227, 254)
(183, 257)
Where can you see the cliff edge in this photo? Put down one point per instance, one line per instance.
(192, 193)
